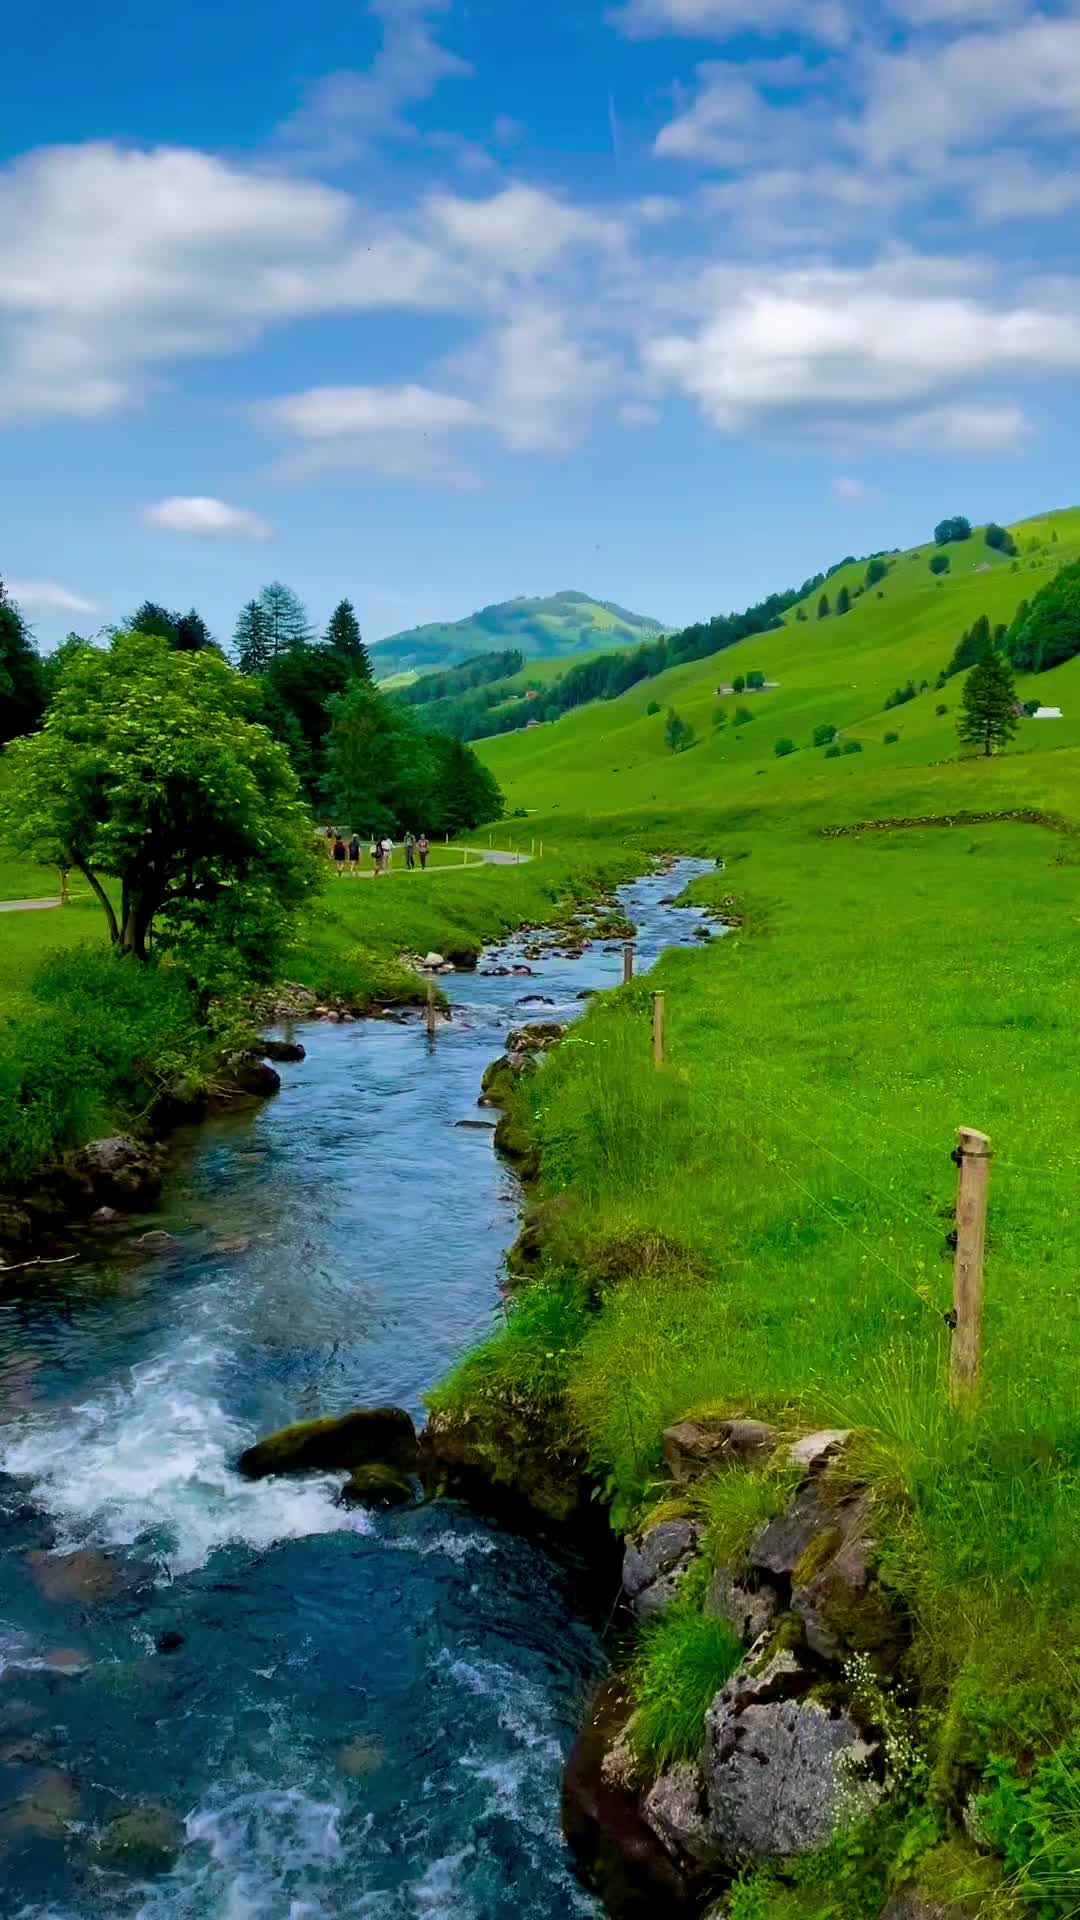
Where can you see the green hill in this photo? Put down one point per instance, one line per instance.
(561, 625)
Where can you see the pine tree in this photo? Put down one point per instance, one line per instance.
(343, 637)
(252, 639)
(823, 607)
(988, 704)
(192, 632)
(153, 618)
(287, 621)
(843, 601)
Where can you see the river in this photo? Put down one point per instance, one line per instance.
(367, 1714)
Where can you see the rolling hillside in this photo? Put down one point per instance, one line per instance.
(562, 625)
(613, 757)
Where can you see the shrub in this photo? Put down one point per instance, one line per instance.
(999, 539)
(834, 751)
(783, 747)
(719, 718)
(738, 685)
(851, 746)
(824, 733)
(941, 708)
(653, 707)
(742, 715)
(843, 601)
(678, 732)
(682, 1662)
(891, 739)
(876, 571)
(900, 696)
(940, 563)
(755, 680)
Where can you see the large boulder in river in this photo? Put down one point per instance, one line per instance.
(378, 1486)
(250, 1073)
(116, 1172)
(371, 1435)
(284, 1050)
(141, 1842)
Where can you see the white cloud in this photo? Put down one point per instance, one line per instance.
(336, 413)
(520, 231)
(200, 514)
(344, 112)
(964, 429)
(828, 21)
(536, 382)
(931, 101)
(638, 413)
(846, 487)
(873, 350)
(45, 596)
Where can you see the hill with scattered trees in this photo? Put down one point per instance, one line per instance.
(555, 627)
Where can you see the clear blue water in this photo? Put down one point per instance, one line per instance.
(368, 1714)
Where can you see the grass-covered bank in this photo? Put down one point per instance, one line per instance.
(762, 1226)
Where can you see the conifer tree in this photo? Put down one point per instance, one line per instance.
(823, 607)
(843, 601)
(286, 617)
(252, 639)
(343, 637)
(988, 704)
(192, 632)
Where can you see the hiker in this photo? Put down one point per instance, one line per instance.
(386, 848)
(376, 856)
(339, 855)
(354, 853)
(423, 850)
(330, 836)
(410, 851)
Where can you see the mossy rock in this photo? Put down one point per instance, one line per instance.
(146, 1840)
(378, 1486)
(383, 1435)
(503, 1456)
(516, 1144)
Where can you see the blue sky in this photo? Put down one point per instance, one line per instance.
(432, 302)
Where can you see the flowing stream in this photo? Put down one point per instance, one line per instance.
(367, 1714)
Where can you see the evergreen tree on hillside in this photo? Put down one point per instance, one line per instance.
(823, 607)
(251, 639)
(22, 692)
(971, 647)
(466, 794)
(192, 632)
(988, 705)
(287, 623)
(343, 637)
(843, 601)
(151, 617)
(1050, 629)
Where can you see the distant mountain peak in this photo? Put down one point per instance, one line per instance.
(555, 626)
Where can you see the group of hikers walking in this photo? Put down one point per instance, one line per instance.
(346, 854)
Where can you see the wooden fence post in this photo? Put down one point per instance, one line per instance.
(973, 1157)
(431, 1008)
(658, 1029)
(627, 962)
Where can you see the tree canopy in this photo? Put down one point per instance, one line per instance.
(999, 538)
(383, 774)
(955, 529)
(187, 632)
(22, 687)
(343, 638)
(988, 704)
(1048, 632)
(149, 771)
(287, 623)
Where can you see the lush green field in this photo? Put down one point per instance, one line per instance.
(771, 1209)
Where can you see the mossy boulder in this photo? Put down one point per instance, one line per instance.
(378, 1486)
(507, 1457)
(516, 1144)
(371, 1435)
(143, 1841)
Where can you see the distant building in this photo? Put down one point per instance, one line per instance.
(1047, 713)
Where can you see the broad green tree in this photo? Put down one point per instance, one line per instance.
(343, 638)
(22, 687)
(150, 773)
(287, 623)
(251, 639)
(958, 528)
(678, 732)
(1048, 632)
(988, 704)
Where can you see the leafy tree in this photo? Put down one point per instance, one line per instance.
(385, 775)
(823, 607)
(1000, 539)
(783, 747)
(22, 686)
(800, 614)
(54, 665)
(824, 733)
(678, 733)
(891, 739)
(343, 638)
(877, 570)
(296, 691)
(1048, 632)
(192, 632)
(743, 716)
(653, 707)
(851, 746)
(251, 639)
(755, 681)
(955, 529)
(843, 601)
(150, 617)
(971, 647)
(150, 771)
(287, 623)
(988, 705)
(719, 718)
(940, 563)
(738, 685)
(901, 696)
(833, 750)
(466, 793)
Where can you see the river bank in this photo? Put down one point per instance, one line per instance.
(334, 1706)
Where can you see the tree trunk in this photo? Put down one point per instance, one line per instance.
(136, 928)
(103, 900)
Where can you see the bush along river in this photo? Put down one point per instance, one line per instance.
(226, 1699)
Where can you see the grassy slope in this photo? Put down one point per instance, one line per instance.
(540, 627)
(885, 988)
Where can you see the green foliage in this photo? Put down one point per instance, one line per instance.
(843, 601)
(1033, 1822)
(185, 632)
(738, 685)
(877, 570)
(940, 563)
(783, 747)
(833, 751)
(1048, 632)
(823, 609)
(343, 638)
(755, 680)
(526, 1363)
(22, 689)
(900, 696)
(890, 739)
(680, 1664)
(295, 692)
(149, 770)
(562, 624)
(972, 646)
(999, 539)
(742, 716)
(988, 705)
(384, 775)
(951, 530)
(678, 733)
(851, 746)
(940, 709)
(720, 718)
(286, 618)
(823, 734)
(251, 639)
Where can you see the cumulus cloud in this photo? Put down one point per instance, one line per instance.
(335, 413)
(870, 350)
(201, 514)
(344, 112)
(829, 21)
(930, 101)
(520, 231)
(46, 596)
